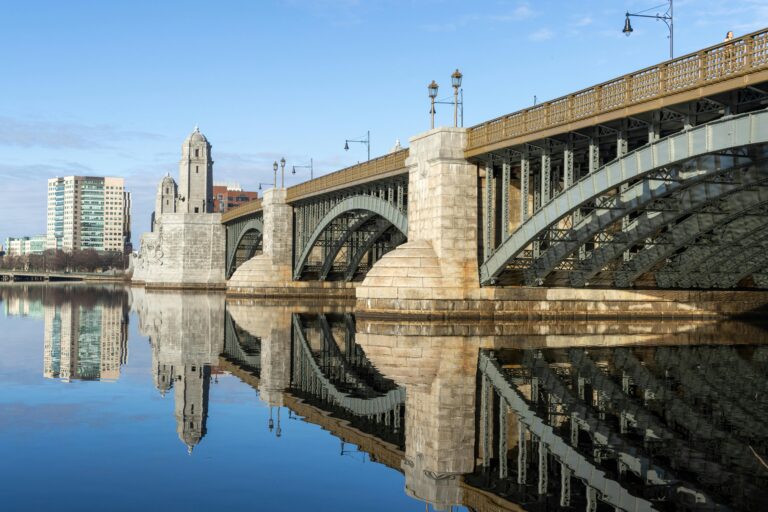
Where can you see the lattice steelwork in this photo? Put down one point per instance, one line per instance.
(670, 198)
(339, 235)
(244, 238)
(336, 375)
(624, 428)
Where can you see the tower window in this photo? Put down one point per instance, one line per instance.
(197, 152)
(197, 210)
(197, 168)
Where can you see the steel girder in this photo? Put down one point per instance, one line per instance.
(677, 408)
(678, 236)
(339, 243)
(375, 205)
(667, 191)
(714, 137)
(733, 234)
(354, 261)
(686, 456)
(647, 224)
(725, 270)
(233, 348)
(235, 234)
(582, 468)
(358, 406)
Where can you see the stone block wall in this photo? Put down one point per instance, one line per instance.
(184, 250)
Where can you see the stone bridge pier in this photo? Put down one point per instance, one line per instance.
(438, 370)
(437, 268)
(272, 325)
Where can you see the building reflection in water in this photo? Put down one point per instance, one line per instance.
(86, 328)
(186, 331)
(573, 416)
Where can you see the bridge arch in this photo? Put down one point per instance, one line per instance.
(675, 173)
(370, 208)
(253, 226)
(382, 404)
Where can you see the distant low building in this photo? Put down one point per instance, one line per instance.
(25, 245)
(230, 195)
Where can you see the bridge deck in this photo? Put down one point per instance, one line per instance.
(727, 66)
(382, 167)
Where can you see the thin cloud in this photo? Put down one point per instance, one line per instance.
(543, 34)
(47, 134)
(520, 12)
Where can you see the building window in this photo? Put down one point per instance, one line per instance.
(197, 152)
(197, 168)
(197, 209)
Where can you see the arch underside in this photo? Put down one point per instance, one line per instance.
(350, 238)
(244, 241)
(337, 376)
(686, 211)
(241, 348)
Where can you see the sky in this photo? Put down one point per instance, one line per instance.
(113, 88)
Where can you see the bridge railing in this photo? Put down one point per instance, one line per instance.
(244, 209)
(724, 61)
(360, 173)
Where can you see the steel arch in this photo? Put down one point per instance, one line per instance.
(338, 244)
(354, 261)
(372, 204)
(252, 225)
(716, 136)
(732, 264)
(688, 201)
(730, 208)
(358, 406)
(686, 266)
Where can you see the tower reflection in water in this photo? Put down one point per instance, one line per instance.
(186, 333)
(666, 416)
(86, 333)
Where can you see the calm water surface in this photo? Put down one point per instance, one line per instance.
(125, 399)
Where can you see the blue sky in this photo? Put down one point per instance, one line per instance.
(113, 88)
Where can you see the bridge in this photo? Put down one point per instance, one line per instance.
(556, 418)
(655, 180)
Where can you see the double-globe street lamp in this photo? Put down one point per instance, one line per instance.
(456, 84)
(667, 18)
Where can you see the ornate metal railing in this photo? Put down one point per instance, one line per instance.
(239, 211)
(360, 173)
(724, 61)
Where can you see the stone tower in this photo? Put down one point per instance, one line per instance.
(195, 175)
(191, 402)
(165, 199)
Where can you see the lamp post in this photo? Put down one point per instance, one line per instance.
(432, 88)
(311, 168)
(282, 172)
(667, 18)
(456, 83)
(457, 101)
(262, 183)
(366, 141)
(274, 178)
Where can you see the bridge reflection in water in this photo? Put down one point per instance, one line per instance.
(578, 416)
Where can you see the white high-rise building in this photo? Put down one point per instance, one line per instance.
(88, 212)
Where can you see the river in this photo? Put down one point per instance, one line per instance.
(115, 398)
